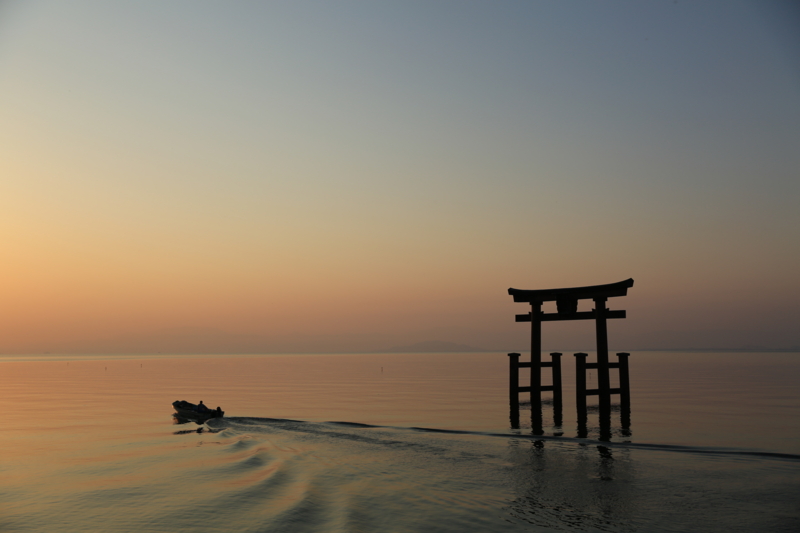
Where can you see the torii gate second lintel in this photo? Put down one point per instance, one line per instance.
(567, 309)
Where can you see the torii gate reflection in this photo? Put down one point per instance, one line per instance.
(567, 306)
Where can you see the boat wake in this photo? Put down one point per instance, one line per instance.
(303, 426)
(354, 473)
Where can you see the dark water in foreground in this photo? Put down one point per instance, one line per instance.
(392, 443)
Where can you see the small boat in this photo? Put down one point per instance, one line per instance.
(189, 411)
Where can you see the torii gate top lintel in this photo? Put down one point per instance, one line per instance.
(572, 293)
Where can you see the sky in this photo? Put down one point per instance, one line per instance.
(230, 177)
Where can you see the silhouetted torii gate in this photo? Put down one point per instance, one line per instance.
(567, 309)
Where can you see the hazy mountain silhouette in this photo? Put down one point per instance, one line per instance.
(202, 340)
(433, 346)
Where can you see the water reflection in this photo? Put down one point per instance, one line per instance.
(187, 431)
(619, 416)
(590, 489)
(537, 417)
(178, 420)
(604, 429)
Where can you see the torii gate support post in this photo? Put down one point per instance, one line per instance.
(557, 397)
(624, 391)
(513, 389)
(580, 393)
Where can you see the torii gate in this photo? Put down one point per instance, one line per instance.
(567, 306)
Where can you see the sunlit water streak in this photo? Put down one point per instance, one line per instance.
(334, 443)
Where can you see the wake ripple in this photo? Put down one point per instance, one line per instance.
(301, 425)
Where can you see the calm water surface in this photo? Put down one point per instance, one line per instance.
(416, 442)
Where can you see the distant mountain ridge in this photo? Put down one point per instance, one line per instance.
(433, 346)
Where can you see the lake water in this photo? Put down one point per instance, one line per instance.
(392, 442)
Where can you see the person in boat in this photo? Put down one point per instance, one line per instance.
(201, 407)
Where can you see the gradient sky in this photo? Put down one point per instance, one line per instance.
(328, 176)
